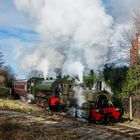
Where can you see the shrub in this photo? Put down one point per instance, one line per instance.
(4, 92)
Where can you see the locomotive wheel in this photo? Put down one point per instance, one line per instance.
(36, 99)
(57, 104)
(39, 102)
(100, 121)
(46, 104)
(91, 118)
(55, 107)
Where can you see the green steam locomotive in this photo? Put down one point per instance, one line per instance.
(57, 94)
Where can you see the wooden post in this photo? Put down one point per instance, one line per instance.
(130, 107)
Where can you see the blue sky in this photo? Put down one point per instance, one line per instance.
(11, 17)
(11, 39)
(16, 32)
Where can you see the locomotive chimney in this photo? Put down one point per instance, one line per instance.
(58, 73)
(58, 77)
(99, 85)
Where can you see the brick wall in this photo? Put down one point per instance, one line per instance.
(134, 51)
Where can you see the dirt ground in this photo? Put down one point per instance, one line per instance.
(20, 126)
(19, 121)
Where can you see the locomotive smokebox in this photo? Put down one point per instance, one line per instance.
(99, 85)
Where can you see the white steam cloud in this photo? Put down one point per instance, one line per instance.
(79, 95)
(78, 31)
(73, 34)
(74, 69)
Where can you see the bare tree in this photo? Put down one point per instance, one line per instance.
(129, 35)
(9, 74)
(35, 73)
(1, 60)
(136, 20)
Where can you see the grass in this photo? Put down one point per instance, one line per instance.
(15, 105)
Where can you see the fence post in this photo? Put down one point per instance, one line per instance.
(130, 107)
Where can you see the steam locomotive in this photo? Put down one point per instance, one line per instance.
(39, 91)
(59, 95)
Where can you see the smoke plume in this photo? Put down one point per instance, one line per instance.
(74, 69)
(79, 95)
(73, 34)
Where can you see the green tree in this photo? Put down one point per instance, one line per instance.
(132, 84)
(115, 77)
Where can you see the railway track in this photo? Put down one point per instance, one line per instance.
(116, 128)
(120, 129)
(42, 128)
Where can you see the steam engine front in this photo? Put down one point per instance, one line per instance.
(96, 105)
